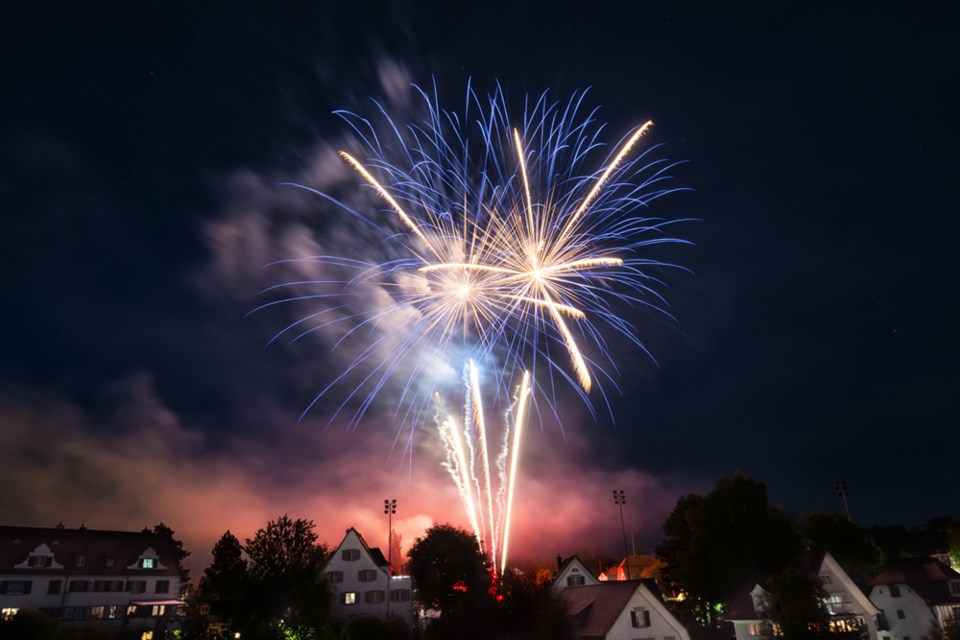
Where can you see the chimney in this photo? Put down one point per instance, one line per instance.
(559, 561)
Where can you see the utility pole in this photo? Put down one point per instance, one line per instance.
(843, 492)
(620, 500)
(389, 508)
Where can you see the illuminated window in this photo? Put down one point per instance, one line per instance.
(157, 610)
(7, 613)
(349, 597)
(894, 591)
(112, 612)
(367, 575)
(96, 613)
(374, 597)
(575, 581)
(640, 617)
(163, 586)
(350, 554)
(131, 610)
(335, 577)
(148, 563)
(753, 630)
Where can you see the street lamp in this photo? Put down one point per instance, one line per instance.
(389, 508)
(619, 499)
(843, 493)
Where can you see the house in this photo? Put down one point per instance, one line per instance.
(916, 595)
(572, 573)
(361, 582)
(620, 610)
(847, 606)
(111, 578)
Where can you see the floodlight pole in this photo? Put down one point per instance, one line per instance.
(389, 508)
(620, 500)
(843, 493)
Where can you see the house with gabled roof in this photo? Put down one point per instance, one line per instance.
(108, 578)
(916, 595)
(620, 610)
(362, 582)
(572, 572)
(848, 608)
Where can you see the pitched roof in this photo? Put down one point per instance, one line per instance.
(927, 577)
(95, 546)
(374, 552)
(571, 560)
(594, 608)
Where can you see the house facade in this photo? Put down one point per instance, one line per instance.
(572, 573)
(619, 610)
(916, 596)
(110, 578)
(360, 579)
(849, 609)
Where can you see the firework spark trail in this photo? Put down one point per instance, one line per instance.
(516, 240)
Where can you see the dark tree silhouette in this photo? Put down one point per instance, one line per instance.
(225, 583)
(850, 545)
(448, 568)
(178, 550)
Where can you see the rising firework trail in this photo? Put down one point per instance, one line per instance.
(514, 245)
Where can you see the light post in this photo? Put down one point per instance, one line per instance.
(842, 492)
(619, 499)
(389, 508)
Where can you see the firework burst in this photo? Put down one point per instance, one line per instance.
(518, 243)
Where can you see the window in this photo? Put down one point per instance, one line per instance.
(400, 595)
(39, 561)
(96, 613)
(80, 561)
(374, 597)
(894, 591)
(826, 579)
(112, 612)
(335, 577)
(137, 586)
(53, 587)
(15, 587)
(367, 575)
(349, 597)
(7, 613)
(955, 588)
(107, 585)
(753, 630)
(78, 585)
(157, 610)
(148, 563)
(131, 610)
(575, 581)
(350, 554)
(901, 615)
(109, 561)
(640, 617)
(163, 586)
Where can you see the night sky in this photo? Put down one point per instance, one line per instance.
(141, 156)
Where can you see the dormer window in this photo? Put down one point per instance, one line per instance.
(148, 559)
(40, 558)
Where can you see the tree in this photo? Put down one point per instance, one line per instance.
(285, 573)
(796, 605)
(448, 568)
(226, 583)
(714, 544)
(953, 543)
(850, 545)
(531, 609)
(179, 552)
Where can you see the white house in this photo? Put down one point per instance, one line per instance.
(849, 609)
(110, 578)
(572, 573)
(619, 610)
(916, 596)
(360, 579)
